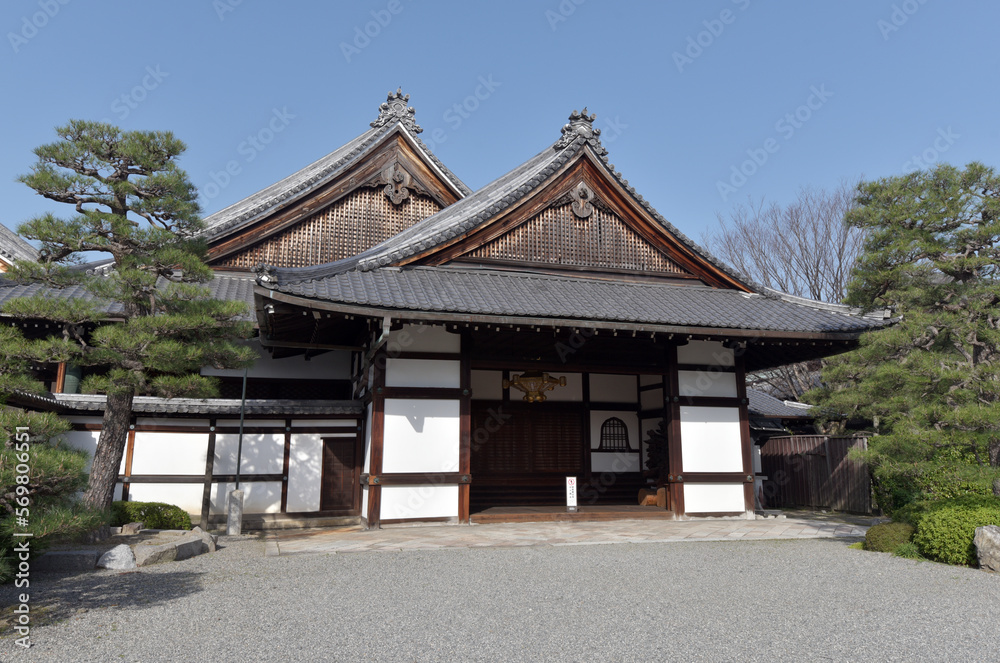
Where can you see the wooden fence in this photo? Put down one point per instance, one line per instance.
(814, 471)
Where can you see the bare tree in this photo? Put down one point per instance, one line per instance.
(803, 248)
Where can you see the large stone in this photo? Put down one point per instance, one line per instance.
(120, 557)
(210, 540)
(190, 545)
(65, 561)
(147, 554)
(131, 528)
(987, 542)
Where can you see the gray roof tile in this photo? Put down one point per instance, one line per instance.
(472, 291)
(14, 247)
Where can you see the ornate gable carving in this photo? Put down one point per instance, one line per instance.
(578, 231)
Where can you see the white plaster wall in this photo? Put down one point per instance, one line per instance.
(258, 497)
(708, 353)
(364, 501)
(423, 338)
(87, 440)
(571, 393)
(332, 365)
(713, 498)
(710, 439)
(420, 435)
(170, 453)
(707, 383)
(305, 472)
(430, 501)
(422, 373)
(613, 388)
(263, 453)
(650, 399)
(185, 495)
(487, 385)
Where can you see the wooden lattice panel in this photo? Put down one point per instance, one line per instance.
(558, 237)
(353, 224)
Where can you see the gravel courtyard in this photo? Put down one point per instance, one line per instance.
(714, 601)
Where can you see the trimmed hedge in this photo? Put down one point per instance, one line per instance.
(887, 537)
(945, 529)
(154, 515)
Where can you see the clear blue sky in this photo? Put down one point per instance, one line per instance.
(683, 90)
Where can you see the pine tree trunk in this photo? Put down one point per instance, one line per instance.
(110, 449)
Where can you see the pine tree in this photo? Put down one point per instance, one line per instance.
(39, 475)
(152, 325)
(931, 383)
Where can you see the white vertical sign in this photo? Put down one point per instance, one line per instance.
(571, 493)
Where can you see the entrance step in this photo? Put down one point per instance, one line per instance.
(535, 514)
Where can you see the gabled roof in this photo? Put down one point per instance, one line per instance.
(579, 139)
(14, 247)
(395, 117)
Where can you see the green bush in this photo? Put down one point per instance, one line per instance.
(154, 515)
(886, 537)
(908, 550)
(946, 528)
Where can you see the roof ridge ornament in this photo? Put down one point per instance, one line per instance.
(581, 124)
(394, 109)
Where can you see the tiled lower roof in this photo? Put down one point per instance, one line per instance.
(228, 286)
(472, 291)
(222, 406)
(766, 405)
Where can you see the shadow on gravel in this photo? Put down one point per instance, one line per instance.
(54, 598)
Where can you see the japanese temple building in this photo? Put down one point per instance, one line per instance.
(428, 351)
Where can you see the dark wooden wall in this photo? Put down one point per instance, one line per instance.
(814, 471)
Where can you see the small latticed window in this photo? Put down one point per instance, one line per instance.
(614, 436)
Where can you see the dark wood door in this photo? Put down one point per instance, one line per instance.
(339, 483)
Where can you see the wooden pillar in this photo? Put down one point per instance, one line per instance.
(465, 429)
(60, 378)
(286, 461)
(374, 515)
(206, 495)
(671, 391)
(129, 450)
(745, 440)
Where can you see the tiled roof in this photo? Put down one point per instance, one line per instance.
(474, 291)
(221, 406)
(315, 175)
(765, 405)
(14, 247)
(228, 286)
